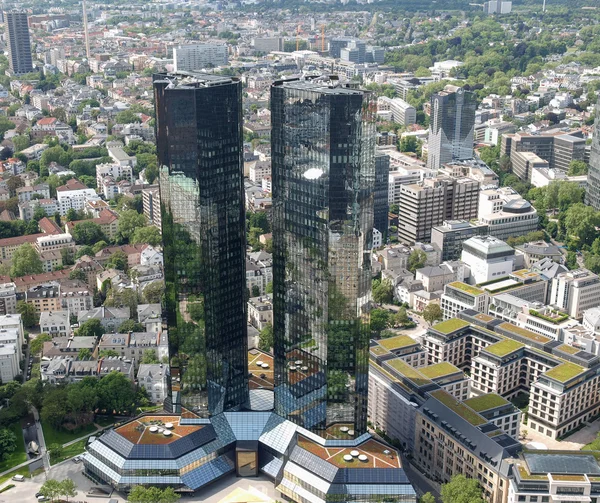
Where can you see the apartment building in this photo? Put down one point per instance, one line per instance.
(8, 298)
(260, 311)
(45, 297)
(75, 296)
(108, 221)
(154, 377)
(433, 201)
(151, 205)
(196, 57)
(115, 171)
(499, 411)
(56, 323)
(259, 271)
(575, 291)
(131, 346)
(402, 112)
(73, 194)
(450, 236)
(524, 164)
(150, 315)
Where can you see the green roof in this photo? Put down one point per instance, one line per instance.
(400, 341)
(407, 371)
(523, 332)
(439, 370)
(473, 290)
(525, 274)
(564, 372)
(484, 317)
(504, 347)
(378, 350)
(462, 410)
(449, 326)
(486, 402)
(565, 348)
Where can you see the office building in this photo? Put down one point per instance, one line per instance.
(354, 52)
(401, 111)
(575, 292)
(450, 236)
(199, 146)
(452, 126)
(592, 195)
(337, 44)
(189, 58)
(497, 7)
(516, 218)
(322, 226)
(488, 257)
(524, 164)
(380, 205)
(433, 201)
(17, 42)
(151, 205)
(459, 296)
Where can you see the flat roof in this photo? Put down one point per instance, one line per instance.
(473, 290)
(409, 372)
(398, 342)
(565, 372)
(141, 431)
(504, 347)
(486, 402)
(439, 369)
(459, 408)
(449, 326)
(568, 464)
(523, 332)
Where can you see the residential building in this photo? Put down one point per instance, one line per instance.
(154, 377)
(9, 362)
(26, 193)
(452, 126)
(73, 194)
(488, 257)
(450, 236)
(538, 250)
(54, 242)
(67, 371)
(430, 203)
(380, 194)
(497, 7)
(151, 205)
(575, 292)
(108, 220)
(56, 323)
(150, 315)
(18, 44)
(45, 297)
(401, 111)
(8, 298)
(75, 296)
(260, 311)
(118, 155)
(116, 171)
(131, 346)
(434, 278)
(259, 271)
(111, 318)
(189, 58)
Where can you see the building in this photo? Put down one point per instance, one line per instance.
(18, 43)
(204, 234)
(516, 218)
(497, 7)
(260, 311)
(154, 377)
(75, 296)
(131, 346)
(538, 250)
(328, 259)
(524, 164)
(259, 272)
(452, 126)
(45, 297)
(111, 318)
(108, 220)
(430, 203)
(151, 205)
(450, 236)
(459, 296)
(150, 315)
(488, 257)
(401, 111)
(381, 205)
(189, 58)
(69, 371)
(8, 298)
(592, 195)
(73, 194)
(56, 323)
(575, 292)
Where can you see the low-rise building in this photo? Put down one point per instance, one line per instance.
(154, 377)
(150, 315)
(67, 371)
(459, 296)
(260, 311)
(8, 298)
(131, 346)
(110, 317)
(259, 271)
(45, 297)
(538, 250)
(488, 257)
(450, 236)
(56, 324)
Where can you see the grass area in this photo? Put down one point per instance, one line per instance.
(439, 370)
(409, 372)
(105, 420)
(463, 411)
(568, 349)
(53, 436)
(528, 334)
(473, 290)
(486, 402)
(70, 451)
(378, 350)
(521, 401)
(398, 342)
(19, 471)
(19, 455)
(504, 347)
(527, 476)
(153, 408)
(449, 326)
(565, 372)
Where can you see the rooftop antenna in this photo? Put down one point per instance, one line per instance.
(85, 31)
(544, 6)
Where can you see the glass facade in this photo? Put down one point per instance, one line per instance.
(199, 147)
(592, 196)
(323, 175)
(381, 206)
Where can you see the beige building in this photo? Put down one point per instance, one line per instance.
(575, 292)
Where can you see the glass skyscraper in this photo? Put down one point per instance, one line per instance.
(199, 147)
(592, 196)
(323, 175)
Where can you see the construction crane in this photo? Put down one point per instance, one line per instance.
(322, 39)
(298, 38)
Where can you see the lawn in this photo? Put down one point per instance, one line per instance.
(504, 347)
(565, 372)
(18, 456)
(594, 445)
(19, 471)
(53, 436)
(449, 326)
(486, 402)
(70, 451)
(473, 290)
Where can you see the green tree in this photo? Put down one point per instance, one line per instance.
(265, 338)
(255, 291)
(401, 317)
(51, 489)
(90, 328)
(107, 353)
(577, 168)
(87, 233)
(129, 221)
(269, 287)
(8, 442)
(427, 498)
(68, 488)
(130, 326)
(78, 274)
(410, 143)
(55, 451)
(37, 344)
(169, 496)
(153, 293)
(416, 260)
(383, 291)
(150, 235)
(27, 312)
(116, 393)
(260, 220)
(149, 356)
(461, 489)
(432, 313)
(84, 354)
(25, 260)
(571, 261)
(592, 262)
(21, 142)
(127, 117)
(380, 320)
(118, 260)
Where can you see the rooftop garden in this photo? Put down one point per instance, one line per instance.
(525, 274)
(449, 326)
(527, 476)
(409, 372)
(378, 350)
(523, 332)
(569, 478)
(504, 347)
(149, 430)
(473, 290)
(565, 372)
(565, 348)
(439, 370)
(400, 341)
(486, 402)
(462, 410)
(555, 317)
(484, 317)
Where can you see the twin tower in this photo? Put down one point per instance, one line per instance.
(323, 173)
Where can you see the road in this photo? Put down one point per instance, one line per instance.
(42, 441)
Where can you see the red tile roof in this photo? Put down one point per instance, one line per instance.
(71, 184)
(48, 226)
(46, 121)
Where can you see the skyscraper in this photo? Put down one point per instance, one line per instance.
(17, 41)
(592, 196)
(381, 205)
(452, 125)
(199, 147)
(323, 170)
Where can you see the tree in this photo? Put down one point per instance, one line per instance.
(27, 312)
(383, 291)
(116, 393)
(8, 442)
(129, 221)
(269, 287)
(169, 496)
(150, 235)
(265, 338)
(410, 143)
(118, 260)
(460, 489)
(260, 220)
(416, 260)
(380, 319)
(25, 260)
(153, 292)
(401, 317)
(90, 328)
(107, 353)
(55, 451)
(432, 313)
(84, 354)
(576, 168)
(571, 261)
(20, 142)
(87, 233)
(51, 489)
(127, 117)
(149, 356)
(427, 498)
(255, 291)
(130, 326)
(68, 488)
(78, 274)
(37, 344)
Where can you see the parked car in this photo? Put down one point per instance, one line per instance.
(19, 478)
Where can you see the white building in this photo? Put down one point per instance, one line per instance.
(154, 377)
(55, 323)
(9, 363)
(8, 298)
(150, 315)
(488, 257)
(401, 111)
(459, 296)
(199, 56)
(115, 171)
(73, 194)
(377, 238)
(575, 292)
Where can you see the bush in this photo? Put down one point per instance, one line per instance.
(9, 486)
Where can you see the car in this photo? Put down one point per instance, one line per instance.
(19, 478)
(37, 495)
(42, 498)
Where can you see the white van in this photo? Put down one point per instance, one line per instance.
(19, 478)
